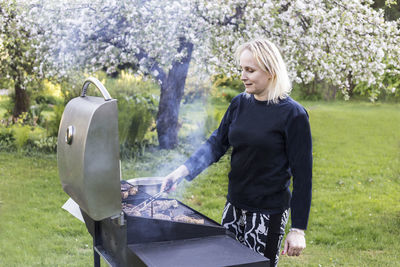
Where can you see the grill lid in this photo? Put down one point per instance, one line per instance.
(88, 153)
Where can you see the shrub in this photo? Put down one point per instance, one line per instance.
(7, 139)
(226, 87)
(46, 99)
(46, 144)
(21, 135)
(314, 91)
(53, 123)
(137, 110)
(233, 82)
(136, 114)
(390, 93)
(38, 129)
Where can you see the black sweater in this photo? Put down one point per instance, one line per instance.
(271, 142)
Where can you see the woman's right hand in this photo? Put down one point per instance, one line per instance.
(173, 177)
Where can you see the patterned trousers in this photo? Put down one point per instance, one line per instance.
(260, 232)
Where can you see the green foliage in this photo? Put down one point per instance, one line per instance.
(233, 82)
(46, 144)
(390, 7)
(7, 106)
(127, 84)
(314, 91)
(21, 133)
(391, 92)
(7, 139)
(322, 90)
(23, 137)
(54, 122)
(137, 110)
(135, 116)
(226, 87)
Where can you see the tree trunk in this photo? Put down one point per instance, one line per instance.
(21, 99)
(351, 84)
(171, 95)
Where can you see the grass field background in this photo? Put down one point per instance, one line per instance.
(355, 214)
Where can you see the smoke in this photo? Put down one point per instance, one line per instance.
(84, 36)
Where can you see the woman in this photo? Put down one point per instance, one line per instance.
(271, 140)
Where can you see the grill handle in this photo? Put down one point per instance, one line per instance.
(99, 86)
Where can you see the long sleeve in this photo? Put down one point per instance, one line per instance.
(299, 151)
(213, 149)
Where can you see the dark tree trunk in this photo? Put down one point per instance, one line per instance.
(21, 98)
(171, 95)
(351, 84)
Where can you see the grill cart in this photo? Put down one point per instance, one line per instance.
(165, 233)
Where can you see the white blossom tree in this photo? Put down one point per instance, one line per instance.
(343, 43)
(156, 37)
(18, 56)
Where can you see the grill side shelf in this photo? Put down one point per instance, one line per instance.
(212, 251)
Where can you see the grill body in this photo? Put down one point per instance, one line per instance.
(88, 162)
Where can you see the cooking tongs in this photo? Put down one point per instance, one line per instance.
(149, 200)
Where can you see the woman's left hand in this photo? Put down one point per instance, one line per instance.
(295, 242)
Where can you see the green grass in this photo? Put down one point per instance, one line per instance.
(34, 230)
(355, 213)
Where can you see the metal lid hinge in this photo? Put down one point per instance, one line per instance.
(118, 219)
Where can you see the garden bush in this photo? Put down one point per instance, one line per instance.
(38, 128)
(138, 99)
(226, 87)
(25, 138)
(136, 114)
(7, 139)
(53, 123)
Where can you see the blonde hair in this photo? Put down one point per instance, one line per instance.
(270, 60)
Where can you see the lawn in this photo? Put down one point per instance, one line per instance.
(355, 214)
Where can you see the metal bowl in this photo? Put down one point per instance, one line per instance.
(149, 185)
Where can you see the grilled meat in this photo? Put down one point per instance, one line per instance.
(133, 190)
(124, 194)
(162, 216)
(187, 219)
(161, 205)
(162, 209)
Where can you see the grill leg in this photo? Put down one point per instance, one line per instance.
(96, 241)
(96, 258)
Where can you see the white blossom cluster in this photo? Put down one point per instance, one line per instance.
(341, 42)
(17, 59)
(105, 34)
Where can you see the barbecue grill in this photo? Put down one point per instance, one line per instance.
(88, 162)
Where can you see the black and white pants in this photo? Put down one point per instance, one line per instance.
(260, 232)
